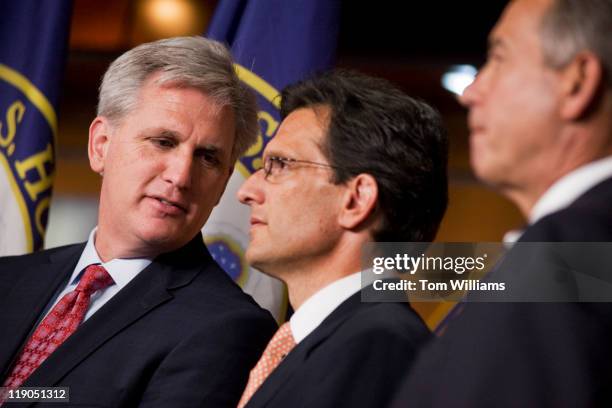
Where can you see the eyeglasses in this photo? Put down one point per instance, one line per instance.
(276, 166)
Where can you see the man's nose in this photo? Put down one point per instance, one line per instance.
(471, 93)
(179, 170)
(251, 190)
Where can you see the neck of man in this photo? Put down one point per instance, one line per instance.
(583, 146)
(109, 248)
(306, 277)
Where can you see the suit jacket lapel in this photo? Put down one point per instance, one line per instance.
(294, 360)
(29, 297)
(145, 292)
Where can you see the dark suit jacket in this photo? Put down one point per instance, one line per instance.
(179, 334)
(526, 354)
(355, 358)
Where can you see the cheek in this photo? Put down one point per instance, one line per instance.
(129, 161)
(518, 118)
(524, 101)
(316, 212)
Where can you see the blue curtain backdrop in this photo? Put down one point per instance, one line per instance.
(33, 49)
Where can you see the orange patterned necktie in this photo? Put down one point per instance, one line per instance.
(58, 325)
(279, 346)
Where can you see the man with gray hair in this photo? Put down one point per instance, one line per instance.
(140, 314)
(540, 117)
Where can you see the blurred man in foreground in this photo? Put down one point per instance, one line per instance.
(141, 315)
(541, 133)
(355, 160)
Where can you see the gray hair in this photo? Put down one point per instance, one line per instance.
(186, 62)
(571, 26)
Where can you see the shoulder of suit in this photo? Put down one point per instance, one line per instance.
(391, 319)
(39, 256)
(378, 330)
(587, 220)
(213, 289)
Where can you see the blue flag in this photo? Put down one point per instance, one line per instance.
(34, 37)
(275, 43)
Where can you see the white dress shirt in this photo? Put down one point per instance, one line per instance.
(565, 191)
(320, 305)
(121, 270)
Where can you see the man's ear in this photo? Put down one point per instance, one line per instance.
(359, 201)
(100, 132)
(581, 82)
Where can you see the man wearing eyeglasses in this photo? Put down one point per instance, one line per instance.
(354, 160)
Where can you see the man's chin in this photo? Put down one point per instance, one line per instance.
(252, 258)
(258, 260)
(161, 242)
(483, 169)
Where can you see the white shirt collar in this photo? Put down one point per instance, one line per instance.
(121, 270)
(565, 191)
(320, 305)
(568, 188)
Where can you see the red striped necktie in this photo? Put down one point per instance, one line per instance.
(58, 325)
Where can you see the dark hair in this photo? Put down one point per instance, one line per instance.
(377, 129)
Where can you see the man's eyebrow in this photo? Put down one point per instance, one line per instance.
(169, 133)
(161, 132)
(210, 148)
